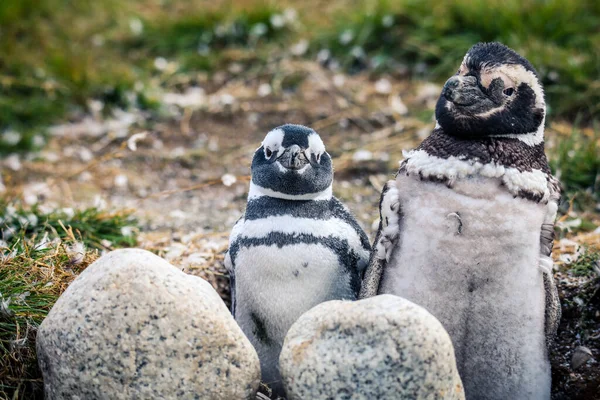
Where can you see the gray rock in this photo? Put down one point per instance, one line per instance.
(383, 347)
(581, 355)
(132, 326)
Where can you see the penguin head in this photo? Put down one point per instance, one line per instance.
(495, 92)
(292, 163)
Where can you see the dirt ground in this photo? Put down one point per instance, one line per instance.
(185, 172)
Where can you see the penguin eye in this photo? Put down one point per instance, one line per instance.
(508, 91)
(268, 152)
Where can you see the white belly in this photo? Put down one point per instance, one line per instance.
(470, 256)
(281, 283)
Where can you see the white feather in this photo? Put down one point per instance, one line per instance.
(390, 222)
(273, 141)
(471, 256)
(315, 145)
(455, 168)
(258, 191)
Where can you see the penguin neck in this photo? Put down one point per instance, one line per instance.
(521, 167)
(508, 152)
(257, 191)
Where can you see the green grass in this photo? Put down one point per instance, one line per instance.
(562, 39)
(576, 162)
(95, 228)
(41, 254)
(56, 55)
(585, 264)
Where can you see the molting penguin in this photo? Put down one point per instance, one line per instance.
(466, 227)
(296, 245)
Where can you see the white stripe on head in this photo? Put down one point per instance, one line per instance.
(315, 146)
(519, 75)
(274, 141)
(259, 191)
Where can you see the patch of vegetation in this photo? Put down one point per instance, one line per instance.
(576, 162)
(51, 61)
(586, 264)
(95, 228)
(31, 280)
(560, 38)
(205, 34)
(40, 255)
(56, 55)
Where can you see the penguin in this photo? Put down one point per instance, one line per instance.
(295, 246)
(466, 227)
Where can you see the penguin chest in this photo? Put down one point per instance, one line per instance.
(285, 269)
(288, 269)
(476, 226)
(469, 255)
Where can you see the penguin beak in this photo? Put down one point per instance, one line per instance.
(462, 90)
(293, 158)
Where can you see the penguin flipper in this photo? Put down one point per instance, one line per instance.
(386, 240)
(362, 250)
(553, 310)
(229, 264)
(231, 270)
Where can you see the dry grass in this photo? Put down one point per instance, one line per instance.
(35, 269)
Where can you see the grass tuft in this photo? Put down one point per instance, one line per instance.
(93, 227)
(586, 264)
(40, 254)
(576, 162)
(31, 280)
(197, 40)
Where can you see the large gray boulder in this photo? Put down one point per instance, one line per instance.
(132, 326)
(383, 347)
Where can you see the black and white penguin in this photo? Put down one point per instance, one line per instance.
(296, 245)
(466, 227)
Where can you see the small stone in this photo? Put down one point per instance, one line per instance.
(581, 355)
(346, 37)
(383, 86)
(161, 63)
(121, 181)
(277, 21)
(323, 56)
(339, 80)
(13, 162)
(398, 106)
(384, 347)
(228, 179)
(362, 156)
(300, 48)
(132, 326)
(136, 26)
(264, 90)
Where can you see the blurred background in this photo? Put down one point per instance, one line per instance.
(133, 123)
